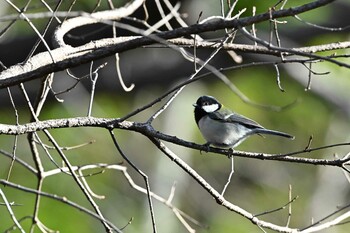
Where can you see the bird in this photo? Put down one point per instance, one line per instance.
(224, 128)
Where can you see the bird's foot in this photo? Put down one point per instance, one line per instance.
(207, 145)
(230, 152)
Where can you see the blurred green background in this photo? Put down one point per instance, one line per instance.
(256, 186)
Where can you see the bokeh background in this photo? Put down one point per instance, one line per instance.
(257, 186)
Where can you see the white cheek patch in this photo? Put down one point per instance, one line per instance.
(210, 108)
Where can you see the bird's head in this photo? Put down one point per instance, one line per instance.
(207, 104)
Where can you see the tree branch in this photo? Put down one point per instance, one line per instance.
(148, 130)
(68, 57)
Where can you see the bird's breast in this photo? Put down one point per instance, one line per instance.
(221, 134)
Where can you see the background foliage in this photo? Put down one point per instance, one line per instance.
(256, 185)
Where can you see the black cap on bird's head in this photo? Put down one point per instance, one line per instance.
(207, 104)
(204, 105)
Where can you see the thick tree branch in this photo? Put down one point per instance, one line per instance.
(148, 130)
(68, 57)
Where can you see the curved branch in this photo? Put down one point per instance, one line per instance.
(97, 17)
(68, 57)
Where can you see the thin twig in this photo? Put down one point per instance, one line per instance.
(145, 177)
(317, 226)
(19, 161)
(290, 205)
(48, 24)
(60, 199)
(308, 87)
(230, 176)
(308, 146)
(14, 148)
(278, 78)
(8, 206)
(33, 148)
(253, 27)
(332, 29)
(33, 27)
(292, 51)
(204, 64)
(279, 208)
(93, 78)
(117, 57)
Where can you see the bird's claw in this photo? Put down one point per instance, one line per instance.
(230, 152)
(207, 145)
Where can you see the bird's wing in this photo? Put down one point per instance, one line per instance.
(231, 117)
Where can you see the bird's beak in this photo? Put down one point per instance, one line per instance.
(194, 105)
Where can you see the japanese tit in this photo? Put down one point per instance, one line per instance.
(223, 128)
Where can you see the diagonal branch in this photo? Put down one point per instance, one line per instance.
(215, 194)
(67, 57)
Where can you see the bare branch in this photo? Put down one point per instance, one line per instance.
(8, 206)
(147, 130)
(60, 199)
(144, 33)
(42, 64)
(145, 177)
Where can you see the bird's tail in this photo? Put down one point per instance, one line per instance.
(274, 132)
